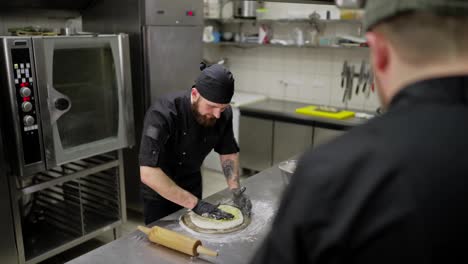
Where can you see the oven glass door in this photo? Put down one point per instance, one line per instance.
(82, 90)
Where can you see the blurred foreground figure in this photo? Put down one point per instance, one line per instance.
(395, 189)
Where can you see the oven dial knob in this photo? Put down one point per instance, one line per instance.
(25, 92)
(28, 120)
(26, 106)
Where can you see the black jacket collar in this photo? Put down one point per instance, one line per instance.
(445, 90)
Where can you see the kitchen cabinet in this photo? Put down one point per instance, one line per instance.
(290, 139)
(324, 135)
(256, 143)
(265, 142)
(290, 133)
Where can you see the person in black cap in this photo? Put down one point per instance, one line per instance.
(180, 130)
(395, 189)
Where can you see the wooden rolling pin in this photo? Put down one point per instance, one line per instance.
(176, 241)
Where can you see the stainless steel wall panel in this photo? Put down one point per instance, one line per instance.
(174, 12)
(173, 58)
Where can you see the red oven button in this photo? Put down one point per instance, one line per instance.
(190, 13)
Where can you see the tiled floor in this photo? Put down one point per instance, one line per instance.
(213, 182)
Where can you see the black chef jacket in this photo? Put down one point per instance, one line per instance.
(394, 190)
(173, 140)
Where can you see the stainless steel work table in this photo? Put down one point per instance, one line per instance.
(264, 189)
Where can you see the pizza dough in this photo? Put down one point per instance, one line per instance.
(209, 223)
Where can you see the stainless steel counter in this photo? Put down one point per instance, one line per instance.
(265, 191)
(286, 111)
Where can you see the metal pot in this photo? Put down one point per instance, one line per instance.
(245, 9)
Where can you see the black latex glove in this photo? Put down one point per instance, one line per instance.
(203, 65)
(241, 200)
(209, 210)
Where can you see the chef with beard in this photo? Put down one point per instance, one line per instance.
(180, 129)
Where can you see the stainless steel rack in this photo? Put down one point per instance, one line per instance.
(67, 205)
(282, 20)
(257, 45)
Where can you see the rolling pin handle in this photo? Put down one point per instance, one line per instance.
(206, 251)
(144, 229)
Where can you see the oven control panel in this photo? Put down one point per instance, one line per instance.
(26, 102)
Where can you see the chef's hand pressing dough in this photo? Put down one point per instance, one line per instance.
(209, 223)
(241, 200)
(208, 210)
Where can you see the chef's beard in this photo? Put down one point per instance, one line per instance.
(202, 120)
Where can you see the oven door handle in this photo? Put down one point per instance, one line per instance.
(59, 104)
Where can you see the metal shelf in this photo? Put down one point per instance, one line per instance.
(255, 45)
(67, 205)
(44, 238)
(69, 171)
(58, 242)
(284, 20)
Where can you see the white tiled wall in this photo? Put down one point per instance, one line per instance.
(309, 75)
(298, 74)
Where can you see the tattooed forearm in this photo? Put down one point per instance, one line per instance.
(230, 165)
(228, 169)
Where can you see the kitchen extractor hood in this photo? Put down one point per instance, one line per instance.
(77, 5)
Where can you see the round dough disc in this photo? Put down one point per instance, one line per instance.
(209, 223)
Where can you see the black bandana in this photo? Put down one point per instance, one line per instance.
(216, 84)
